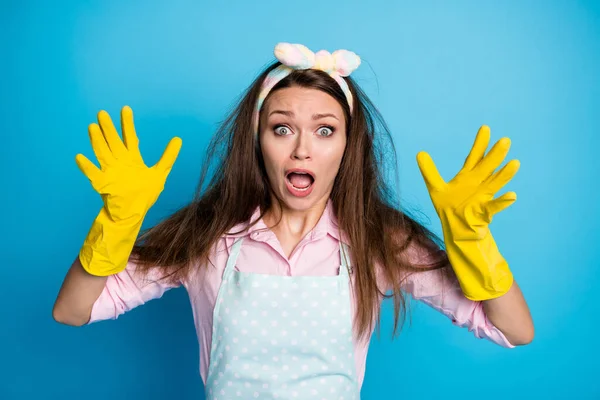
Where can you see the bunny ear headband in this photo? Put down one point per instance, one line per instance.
(338, 64)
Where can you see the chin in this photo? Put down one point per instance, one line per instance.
(297, 203)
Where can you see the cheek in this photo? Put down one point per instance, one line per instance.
(333, 155)
(272, 157)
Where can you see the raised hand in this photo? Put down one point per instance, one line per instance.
(466, 206)
(128, 188)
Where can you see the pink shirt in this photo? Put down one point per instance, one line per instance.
(316, 254)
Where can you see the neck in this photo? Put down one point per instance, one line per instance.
(294, 224)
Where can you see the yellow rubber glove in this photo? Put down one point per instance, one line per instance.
(128, 188)
(466, 206)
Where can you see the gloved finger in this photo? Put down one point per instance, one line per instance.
(129, 136)
(99, 145)
(169, 156)
(88, 168)
(432, 177)
(477, 152)
(498, 204)
(110, 135)
(502, 177)
(493, 159)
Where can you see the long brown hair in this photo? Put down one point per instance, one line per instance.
(367, 209)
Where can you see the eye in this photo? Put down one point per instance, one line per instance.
(281, 130)
(326, 131)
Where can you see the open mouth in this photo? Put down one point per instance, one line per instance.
(300, 183)
(300, 180)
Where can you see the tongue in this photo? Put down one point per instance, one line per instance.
(300, 181)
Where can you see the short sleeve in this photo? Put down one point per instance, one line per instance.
(128, 289)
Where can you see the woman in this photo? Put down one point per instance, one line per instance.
(290, 250)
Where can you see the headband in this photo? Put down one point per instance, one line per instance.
(338, 64)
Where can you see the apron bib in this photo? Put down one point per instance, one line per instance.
(282, 337)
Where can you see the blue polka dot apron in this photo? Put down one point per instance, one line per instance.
(282, 337)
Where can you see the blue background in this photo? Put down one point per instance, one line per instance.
(437, 71)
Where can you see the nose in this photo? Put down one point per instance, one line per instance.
(302, 148)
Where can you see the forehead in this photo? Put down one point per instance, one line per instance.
(298, 99)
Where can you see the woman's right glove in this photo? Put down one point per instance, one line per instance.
(128, 188)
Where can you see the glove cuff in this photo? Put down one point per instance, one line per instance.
(108, 245)
(482, 271)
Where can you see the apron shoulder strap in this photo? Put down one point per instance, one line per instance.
(346, 268)
(231, 260)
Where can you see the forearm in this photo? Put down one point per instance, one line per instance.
(77, 295)
(510, 314)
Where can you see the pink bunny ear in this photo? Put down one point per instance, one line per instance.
(345, 62)
(295, 56)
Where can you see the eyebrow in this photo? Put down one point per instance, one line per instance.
(291, 114)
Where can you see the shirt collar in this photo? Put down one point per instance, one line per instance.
(327, 225)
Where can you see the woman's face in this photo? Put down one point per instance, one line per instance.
(303, 137)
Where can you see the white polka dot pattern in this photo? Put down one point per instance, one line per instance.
(282, 337)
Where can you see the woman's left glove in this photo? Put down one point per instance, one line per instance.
(466, 206)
